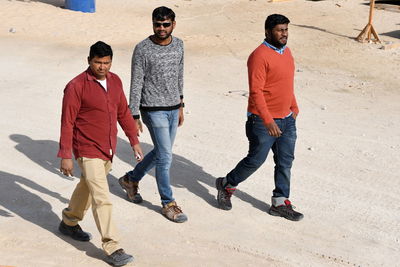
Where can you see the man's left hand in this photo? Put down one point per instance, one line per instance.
(138, 152)
(181, 117)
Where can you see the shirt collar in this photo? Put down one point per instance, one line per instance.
(91, 77)
(278, 50)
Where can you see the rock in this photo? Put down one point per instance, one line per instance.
(323, 107)
(311, 148)
(12, 30)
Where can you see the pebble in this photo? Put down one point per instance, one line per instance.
(311, 148)
(323, 107)
(12, 30)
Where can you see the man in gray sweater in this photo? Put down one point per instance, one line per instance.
(157, 92)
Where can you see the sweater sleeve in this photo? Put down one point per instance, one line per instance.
(180, 75)
(294, 107)
(126, 121)
(70, 108)
(137, 81)
(257, 72)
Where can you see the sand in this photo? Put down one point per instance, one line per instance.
(345, 178)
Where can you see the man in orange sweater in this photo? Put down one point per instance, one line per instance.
(271, 122)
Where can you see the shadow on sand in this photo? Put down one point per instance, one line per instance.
(27, 205)
(394, 34)
(187, 174)
(42, 152)
(322, 30)
(184, 173)
(56, 3)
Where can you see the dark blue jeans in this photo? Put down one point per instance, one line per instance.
(260, 143)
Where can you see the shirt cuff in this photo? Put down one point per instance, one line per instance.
(64, 154)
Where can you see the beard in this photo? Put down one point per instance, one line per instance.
(162, 35)
(278, 43)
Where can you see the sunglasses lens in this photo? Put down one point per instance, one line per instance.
(158, 24)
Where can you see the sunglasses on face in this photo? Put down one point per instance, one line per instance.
(159, 24)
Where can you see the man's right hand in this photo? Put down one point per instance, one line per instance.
(139, 126)
(67, 167)
(273, 129)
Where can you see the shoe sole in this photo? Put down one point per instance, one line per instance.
(138, 200)
(219, 187)
(275, 213)
(120, 263)
(182, 220)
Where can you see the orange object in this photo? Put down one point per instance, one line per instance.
(271, 83)
(365, 34)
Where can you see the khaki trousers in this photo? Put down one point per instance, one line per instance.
(92, 189)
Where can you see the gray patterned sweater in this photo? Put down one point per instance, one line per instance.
(156, 76)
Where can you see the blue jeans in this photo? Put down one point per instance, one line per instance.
(260, 143)
(162, 126)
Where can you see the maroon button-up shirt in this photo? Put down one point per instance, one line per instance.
(89, 117)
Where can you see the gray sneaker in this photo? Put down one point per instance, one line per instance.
(174, 213)
(118, 258)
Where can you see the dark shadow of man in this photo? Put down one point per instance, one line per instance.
(56, 3)
(17, 200)
(42, 152)
(186, 174)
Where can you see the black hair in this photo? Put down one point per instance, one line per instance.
(275, 19)
(100, 49)
(163, 13)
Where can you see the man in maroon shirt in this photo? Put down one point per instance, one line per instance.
(93, 103)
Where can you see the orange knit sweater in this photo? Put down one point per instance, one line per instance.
(271, 78)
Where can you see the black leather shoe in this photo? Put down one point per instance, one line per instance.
(75, 232)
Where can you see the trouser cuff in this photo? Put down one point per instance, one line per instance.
(67, 219)
(225, 183)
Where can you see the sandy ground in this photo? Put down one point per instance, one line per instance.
(345, 177)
